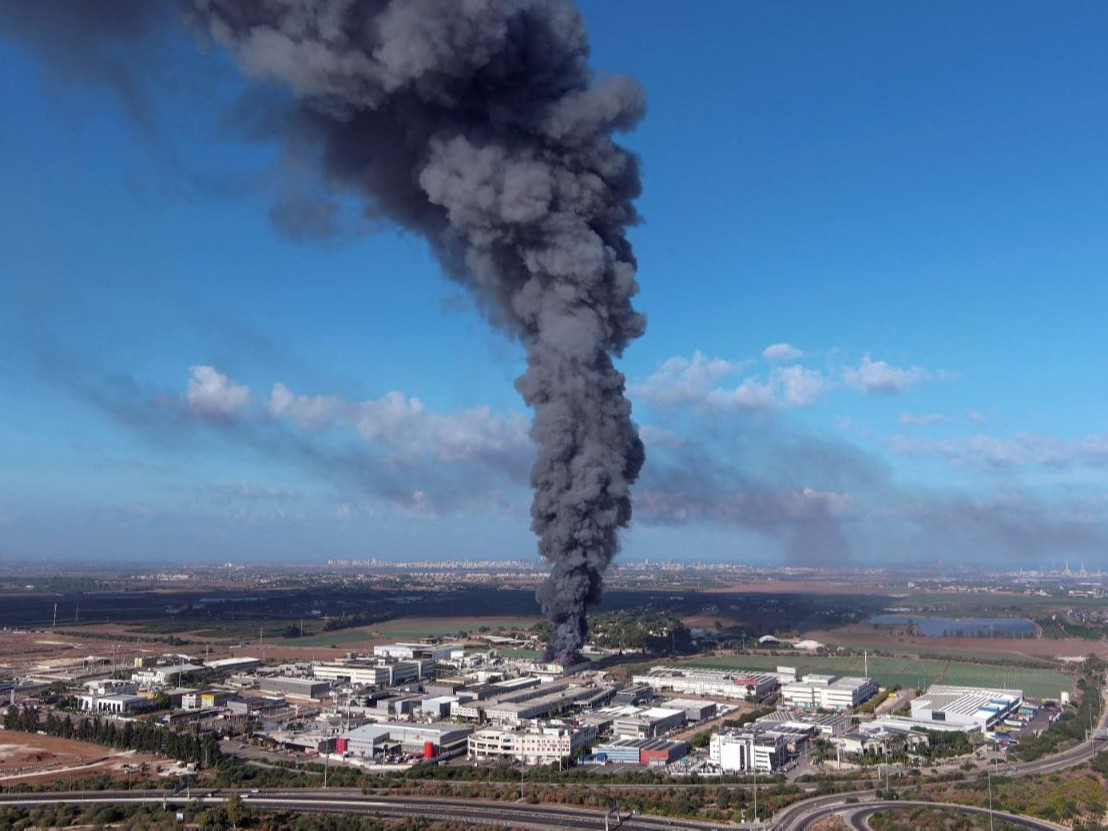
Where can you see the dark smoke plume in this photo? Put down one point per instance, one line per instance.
(479, 125)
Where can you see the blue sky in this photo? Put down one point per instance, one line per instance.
(906, 204)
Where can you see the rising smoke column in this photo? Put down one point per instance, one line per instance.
(479, 124)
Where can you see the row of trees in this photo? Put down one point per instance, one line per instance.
(145, 736)
(648, 629)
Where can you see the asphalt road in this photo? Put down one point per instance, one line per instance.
(856, 815)
(508, 814)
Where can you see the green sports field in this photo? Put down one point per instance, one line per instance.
(909, 672)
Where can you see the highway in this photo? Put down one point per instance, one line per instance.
(507, 814)
(856, 815)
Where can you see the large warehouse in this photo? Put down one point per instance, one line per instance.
(295, 687)
(379, 673)
(724, 684)
(649, 723)
(365, 740)
(967, 707)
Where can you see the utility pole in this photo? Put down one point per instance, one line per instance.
(754, 764)
(988, 774)
(54, 625)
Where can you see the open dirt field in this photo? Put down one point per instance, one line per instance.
(25, 757)
(22, 649)
(864, 636)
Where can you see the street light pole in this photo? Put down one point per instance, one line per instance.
(886, 765)
(990, 776)
(754, 764)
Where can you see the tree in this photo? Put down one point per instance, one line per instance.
(235, 809)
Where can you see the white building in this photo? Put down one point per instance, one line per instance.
(749, 749)
(111, 686)
(709, 682)
(156, 676)
(648, 723)
(384, 672)
(966, 707)
(409, 651)
(543, 744)
(113, 703)
(233, 664)
(828, 692)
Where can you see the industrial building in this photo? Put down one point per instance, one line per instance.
(437, 707)
(695, 711)
(165, 674)
(111, 686)
(313, 688)
(824, 724)
(641, 751)
(751, 749)
(828, 692)
(537, 706)
(719, 683)
(437, 738)
(233, 664)
(649, 723)
(379, 673)
(543, 744)
(197, 700)
(523, 699)
(966, 707)
(119, 703)
(410, 651)
(635, 694)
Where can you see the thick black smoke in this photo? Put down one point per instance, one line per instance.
(479, 125)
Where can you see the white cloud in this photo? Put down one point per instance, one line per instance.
(880, 377)
(921, 420)
(799, 386)
(403, 425)
(681, 380)
(307, 412)
(781, 352)
(976, 417)
(751, 394)
(697, 381)
(211, 394)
